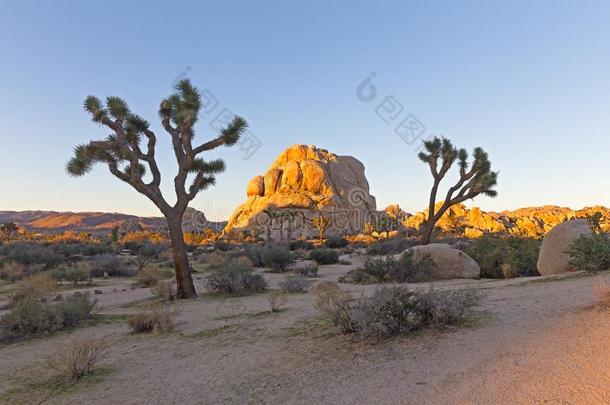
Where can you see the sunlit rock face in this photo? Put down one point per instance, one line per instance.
(307, 180)
(532, 222)
(554, 257)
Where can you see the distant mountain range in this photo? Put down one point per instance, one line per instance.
(98, 222)
(533, 221)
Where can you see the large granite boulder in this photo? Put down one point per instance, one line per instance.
(554, 257)
(307, 180)
(449, 262)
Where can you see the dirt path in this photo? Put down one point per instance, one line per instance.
(539, 342)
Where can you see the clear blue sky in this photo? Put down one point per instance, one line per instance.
(528, 81)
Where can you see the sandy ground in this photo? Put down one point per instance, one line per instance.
(536, 340)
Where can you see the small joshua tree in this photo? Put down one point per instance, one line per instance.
(128, 157)
(8, 230)
(322, 223)
(476, 178)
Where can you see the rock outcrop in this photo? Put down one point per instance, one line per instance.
(525, 222)
(307, 180)
(449, 262)
(553, 257)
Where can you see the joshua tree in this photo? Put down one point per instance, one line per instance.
(476, 178)
(130, 150)
(8, 230)
(322, 223)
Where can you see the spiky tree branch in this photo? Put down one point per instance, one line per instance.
(129, 152)
(475, 178)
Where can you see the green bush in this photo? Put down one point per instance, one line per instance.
(336, 242)
(591, 253)
(234, 278)
(389, 270)
(390, 246)
(324, 256)
(72, 274)
(277, 258)
(110, 265)
(255, 254)
(393, 311)
(74, 309)
(31, 317)
(301, 244)
(294, 284)
(493, 252)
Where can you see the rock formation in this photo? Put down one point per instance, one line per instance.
(553, 257)
(525, 222)
(307, 180)
(449, 262)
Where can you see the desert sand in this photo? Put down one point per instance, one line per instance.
(533, 340)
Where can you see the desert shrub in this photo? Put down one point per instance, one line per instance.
(294, 284)
(255, 254)
(78, 358)
(150, 275)
(336, 304)
(141, 323)
(276, 299)
(518, 256)
(387, 312)
(336, 242)
(28, 318)
(236, 279)
(109, 265)
(440, 308)
(74, 309)
(306, 269)
(80, 249)
(223, 246)
(601, 292)
(30, 253)
(324, 256)
(393, 311)
(159, 320)
(31, 317)
(37, 286)
(591, 253)
(406, 269)
(390, 246)
(73, 274)
(13, 271)
(145, 252)
(277, 258)
(301, 244)
(165, 290)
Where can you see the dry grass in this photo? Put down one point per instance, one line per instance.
(276, 299)
(78, 358)
(158, 320)
(13, 271)
(37, 287)
(601, 292)
(336, 304)
(165, 289)
(508, 270)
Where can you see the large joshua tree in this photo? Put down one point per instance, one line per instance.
(476, 178)
(129, 152)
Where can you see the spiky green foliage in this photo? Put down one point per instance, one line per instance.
(129, 153)
(474, 178)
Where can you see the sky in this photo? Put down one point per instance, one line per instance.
(527, 81)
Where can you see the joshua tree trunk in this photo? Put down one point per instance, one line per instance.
(184, 280)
